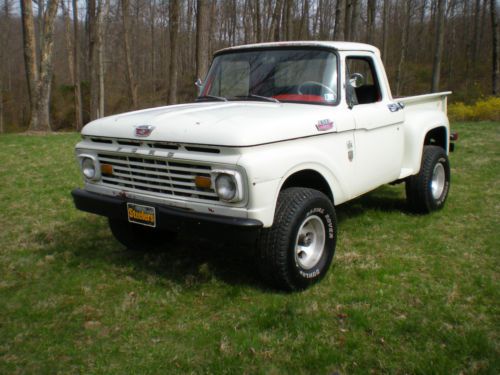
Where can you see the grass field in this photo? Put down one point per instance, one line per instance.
(406, 294)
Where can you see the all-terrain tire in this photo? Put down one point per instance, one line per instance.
(139, 237)
(298, 249)
(427, 191)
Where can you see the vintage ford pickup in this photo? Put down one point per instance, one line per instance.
(279, 135)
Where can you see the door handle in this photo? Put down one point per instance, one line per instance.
(394, 107)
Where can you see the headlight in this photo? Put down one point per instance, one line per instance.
(89, 167)
(228, 185)
(225, 186)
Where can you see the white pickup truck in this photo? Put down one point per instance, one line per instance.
(279, 135)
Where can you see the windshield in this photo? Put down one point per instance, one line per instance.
(296, 75)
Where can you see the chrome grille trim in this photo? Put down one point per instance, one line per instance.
(144, 174)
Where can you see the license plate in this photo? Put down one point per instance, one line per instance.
(139, 214)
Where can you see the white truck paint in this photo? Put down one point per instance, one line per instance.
(342, 148)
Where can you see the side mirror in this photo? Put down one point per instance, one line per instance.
(199, 84)
(356, 80)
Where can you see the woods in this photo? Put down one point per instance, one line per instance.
(66, 62)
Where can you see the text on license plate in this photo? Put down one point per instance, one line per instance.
(140, 214)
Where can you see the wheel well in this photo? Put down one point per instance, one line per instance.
(309, 179)
(436, 137)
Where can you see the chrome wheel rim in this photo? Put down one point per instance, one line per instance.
(438, 181)
(310, 242)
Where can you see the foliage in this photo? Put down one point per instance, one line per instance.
(482, 110)
(406, 294)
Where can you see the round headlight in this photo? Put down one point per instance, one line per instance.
(226, 186)
(88, 168)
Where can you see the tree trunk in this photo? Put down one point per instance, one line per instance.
(304, 25)
(288, 19)
(404, 45)
(173, 68)
(370, 21)
(132, 86)
(385, 32)
(202, 38)
(76, 69)
(92, 60)
(356, 9)
(338, 31)
(30, 62)
(257, 22)
(152, 25)
(102, 14)
(347, 20)
(46, 65)
(274, 29)
(475, 44)
(438, 53)
(69, 46)
(213, 24)
(495, 40)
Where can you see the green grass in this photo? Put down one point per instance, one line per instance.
(406, 293)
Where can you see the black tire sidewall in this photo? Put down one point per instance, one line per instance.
(321, 208)
(437, 203)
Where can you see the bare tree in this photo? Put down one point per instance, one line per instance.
(438, 52)
(385, 31)
(338, 31)
(348, 19)
(39, 73)
(356, 10)
(202, 38)
(495, 41)
(174, 47)
(257, 22)
(132, 86)
(371, 9)
(76, 69)
(407, 11)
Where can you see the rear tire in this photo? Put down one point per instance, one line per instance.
(298, 249)
(139, 237)
(427, 191)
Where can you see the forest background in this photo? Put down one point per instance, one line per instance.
(66, 62)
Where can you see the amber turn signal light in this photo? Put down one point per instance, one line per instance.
(106, 169)
(203, 182)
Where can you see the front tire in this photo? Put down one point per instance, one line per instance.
(139, 237)
(298, 249)
(427, 191)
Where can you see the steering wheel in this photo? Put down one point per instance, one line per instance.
(313, 83)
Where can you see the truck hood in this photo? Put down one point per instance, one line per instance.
(218, 123)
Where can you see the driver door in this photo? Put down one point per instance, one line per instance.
(378, 134)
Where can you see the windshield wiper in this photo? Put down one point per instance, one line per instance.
(205, 97)
(255, 96)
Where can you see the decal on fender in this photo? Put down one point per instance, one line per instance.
(324, 125)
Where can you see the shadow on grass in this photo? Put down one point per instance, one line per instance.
(191, 259)
(188, 260)
(384, 199)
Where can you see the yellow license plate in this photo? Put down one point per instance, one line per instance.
(139, 214)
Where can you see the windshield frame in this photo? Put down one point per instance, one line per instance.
(274, 48)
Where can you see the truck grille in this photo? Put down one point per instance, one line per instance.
(169, 177)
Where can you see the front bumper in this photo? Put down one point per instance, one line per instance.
(166, 217)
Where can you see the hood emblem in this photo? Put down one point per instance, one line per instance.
(324, 125)
(143, 130)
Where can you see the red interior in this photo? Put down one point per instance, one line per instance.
(301, 98)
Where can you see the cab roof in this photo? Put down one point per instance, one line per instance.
(339, 46)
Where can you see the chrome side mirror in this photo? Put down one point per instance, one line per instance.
(199, 84)
(356, 80)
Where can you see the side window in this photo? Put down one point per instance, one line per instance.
(369, 90)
